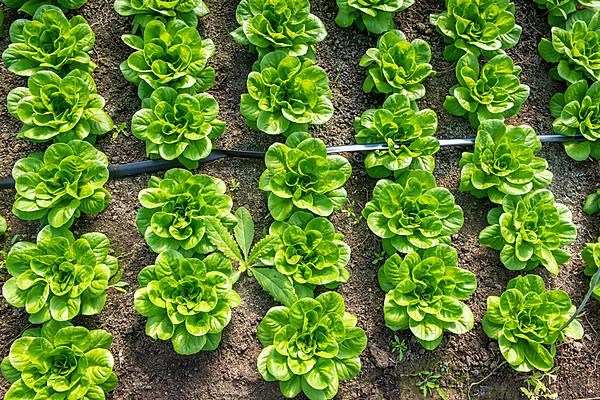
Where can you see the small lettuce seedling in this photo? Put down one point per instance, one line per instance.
(286, 94)
(60, 277)
(145, 11)
(527, 319)
(49, 42)
(31, 6)
(300, 175)
(187, 300)
(375, 16)
(577, 111)
(424, 293)
(57, 186)
(169, 55)
(529, 231)
(489, 92)
(178, 126)
(60, 361)
(503, 162)
(269, 25)
(59, 109)
(175, 210)
(406, 130)
(481, 27)
(397, 66)
(310, 346)
(412, 213)
(576, 48)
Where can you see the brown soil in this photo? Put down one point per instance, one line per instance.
(149, 369)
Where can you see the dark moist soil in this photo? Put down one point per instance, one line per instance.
(471, 363)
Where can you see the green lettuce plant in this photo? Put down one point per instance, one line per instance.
(49, 42)
(174, 211)
(424, 293)
(577, 111)
(169, 55)
(489, 92)
(591, 256)
(560, 10)
(309, 250)
(286, 94)
(592, 203)
(57, 186)
(529, 231)
(576, 48)
(30, 6)
(503, 162)
(268, 25)
(186, 300)
(59, 277)
(376, 16)
(397, 65)
(178, 126)
(406, 130)
(485, 27)
(60, 361)
(145, 11)
(412, 213)
(300, 175)
(310, 346)
(527, 320)
(3, 226)
(59, 109)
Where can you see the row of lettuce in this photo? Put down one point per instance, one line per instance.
(59, 276)
(574, 46)
(528, 227)
(415, 218)
(310, 343)
(187, 295)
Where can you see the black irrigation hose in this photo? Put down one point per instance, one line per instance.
(448, 143)
(151, 166)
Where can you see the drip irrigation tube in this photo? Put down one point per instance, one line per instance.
(151, 166)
